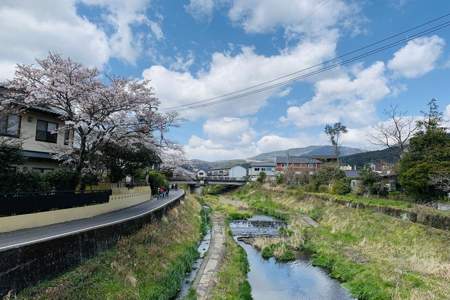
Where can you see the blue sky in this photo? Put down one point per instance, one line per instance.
(196, 49)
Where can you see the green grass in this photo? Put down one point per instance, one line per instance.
(385, 202)
(376, 256)
(232, 281)
(149, 264)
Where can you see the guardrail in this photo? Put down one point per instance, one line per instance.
(25, 203)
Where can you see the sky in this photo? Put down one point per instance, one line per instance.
(196, 49)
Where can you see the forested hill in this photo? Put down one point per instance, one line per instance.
(389, 155)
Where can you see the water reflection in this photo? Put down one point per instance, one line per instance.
(295, 280)
(271, 280)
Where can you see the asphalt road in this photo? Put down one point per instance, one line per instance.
(29, 236)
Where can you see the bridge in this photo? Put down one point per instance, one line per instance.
(209, 180)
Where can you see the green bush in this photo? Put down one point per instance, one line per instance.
(341, 187)
(262, 177)
(323, 188)
(157, 180)
(279, 178)
(61, 179)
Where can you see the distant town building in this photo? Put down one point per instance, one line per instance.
(256, 168)
(297, 165)
(237, 172)
(346, 168)
(218, 173)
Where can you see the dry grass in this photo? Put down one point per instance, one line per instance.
(148, 264)
(377, 255)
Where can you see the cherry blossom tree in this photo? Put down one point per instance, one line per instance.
(96, 107)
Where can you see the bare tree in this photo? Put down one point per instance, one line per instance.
(396, 132)
(334, 132)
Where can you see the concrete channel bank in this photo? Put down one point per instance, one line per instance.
(27, 256)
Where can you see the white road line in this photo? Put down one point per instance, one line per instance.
(85, 228)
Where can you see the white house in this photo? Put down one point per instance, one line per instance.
(237, 172)
(257, 167)
(42, 133)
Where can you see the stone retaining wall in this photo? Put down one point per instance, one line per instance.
(25, 266)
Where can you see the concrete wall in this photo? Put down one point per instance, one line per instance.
(121, 198)
(25, 266)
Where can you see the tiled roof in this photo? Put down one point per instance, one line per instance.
(296, 160)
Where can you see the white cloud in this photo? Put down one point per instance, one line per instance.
(30, 29)
(418, 57)
(346, 98)
(447, 113)
(285, 92)
(228, 138)
(201, 9)
(225, 138)
(156, 30)
(229, 73)
(229, 130)
(295, 16)
(182, 63)
(122, 15)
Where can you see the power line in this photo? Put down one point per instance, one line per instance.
(250, 90)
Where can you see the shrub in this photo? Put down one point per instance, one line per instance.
(279, 179)
(340, 187)
(261, 177)
(61, 179)
(156, 180)
(323, 188)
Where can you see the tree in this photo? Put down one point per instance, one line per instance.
(426, 164)
(127, 159)
(98, 112)
(156, 180)
(326, 176)
(396, 132)
(334, 132)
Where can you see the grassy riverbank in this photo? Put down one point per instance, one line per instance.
(232, 277)
(375, 255)
(149, 264)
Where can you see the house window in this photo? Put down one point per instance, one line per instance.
(10, 125)
(46, 131)
(67, 136)
(256, 169)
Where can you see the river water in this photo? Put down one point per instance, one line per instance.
(272, 280)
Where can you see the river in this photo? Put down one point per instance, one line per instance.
(273, 280)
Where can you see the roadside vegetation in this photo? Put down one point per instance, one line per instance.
(149, 264)
(376, 256)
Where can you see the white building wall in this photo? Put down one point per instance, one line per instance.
(254, 171)
(238, 172)
(28, 134)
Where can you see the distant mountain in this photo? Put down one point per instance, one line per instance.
(388, 155)
(306, 151)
